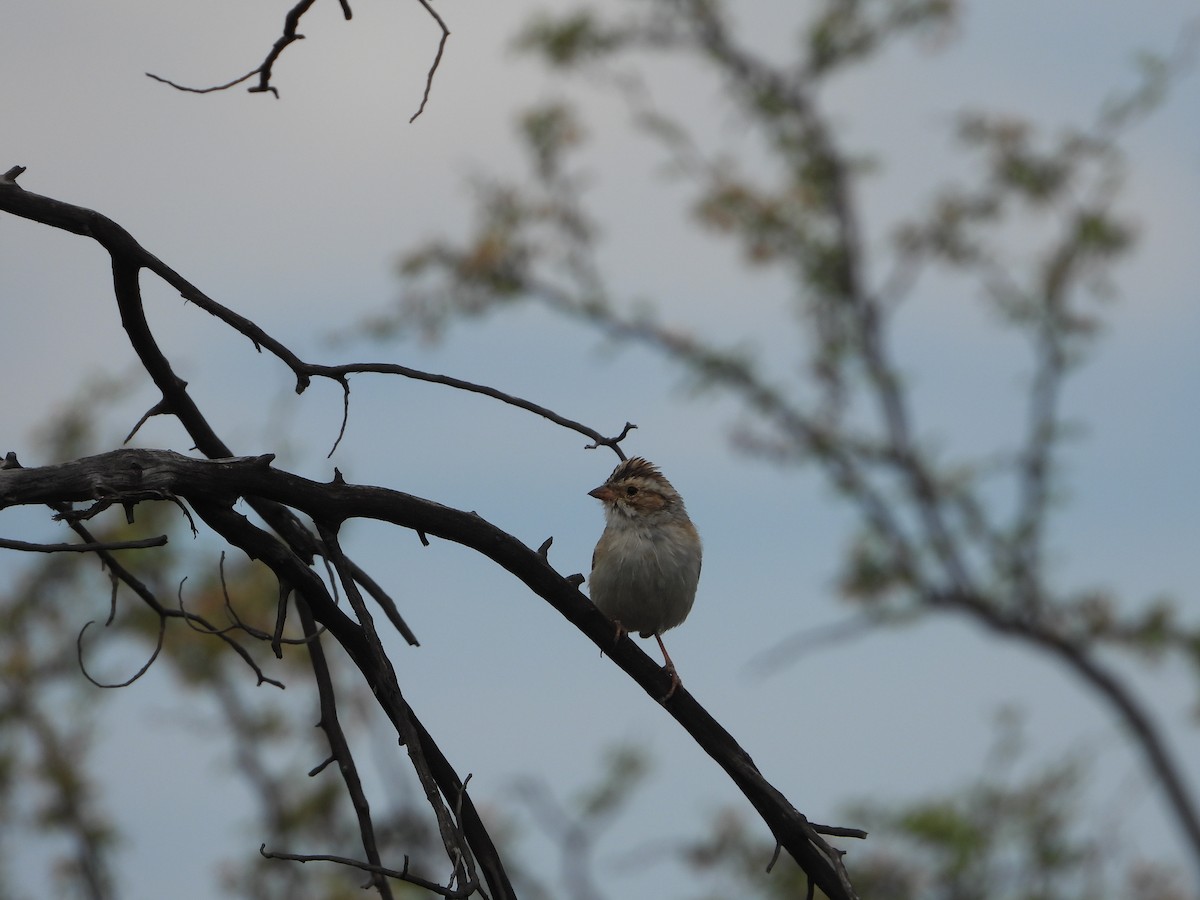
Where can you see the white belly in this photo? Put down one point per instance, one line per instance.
(647, 585)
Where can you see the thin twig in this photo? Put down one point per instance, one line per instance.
(455, 845)
(437, 59)
(290, 23)
(207, 90)
(339, 746)
(289, 36)
(459, 893)
(162, 630)
(140, 544)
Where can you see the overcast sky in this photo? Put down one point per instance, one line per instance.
(293, 212)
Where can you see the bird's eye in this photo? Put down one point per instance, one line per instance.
(630, 491)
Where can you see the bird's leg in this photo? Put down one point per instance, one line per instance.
(620, 633)
(675, 682)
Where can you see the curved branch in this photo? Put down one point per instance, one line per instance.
(129, 256)
(162, 632)
(375, 869)
(290, 23)
(212, 487)
(121, 575)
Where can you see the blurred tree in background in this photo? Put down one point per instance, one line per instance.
(1033, 234)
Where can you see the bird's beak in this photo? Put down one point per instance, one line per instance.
(604, 492)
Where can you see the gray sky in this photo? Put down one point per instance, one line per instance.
(292, 212)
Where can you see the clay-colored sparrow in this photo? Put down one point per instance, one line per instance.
(647, 562)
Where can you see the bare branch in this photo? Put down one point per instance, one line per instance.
(289, 36)
(211, 485)
(340, 371)
(158, 409)
(162, 631)
(400, 874)
(612, 441)
(338, 745)
(437, 59)
(132, 257)
(839, 831)
(209, 90)
(140, 544)
(286, 565)
(452, 838)
(386, 603)
(290, 24)
(345, 383)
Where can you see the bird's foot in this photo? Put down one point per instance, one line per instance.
(617, 635)
(670, 670)
(675, 682)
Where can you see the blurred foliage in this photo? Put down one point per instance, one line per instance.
(1014, 833)
(1010, 835)
(1038, 227)
(1032, 228)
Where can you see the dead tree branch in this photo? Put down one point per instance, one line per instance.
(91, 547)
(129, 256)
(376, 870)
(212, 487)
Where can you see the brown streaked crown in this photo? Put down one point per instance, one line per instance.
(638, 485)
(636, 467)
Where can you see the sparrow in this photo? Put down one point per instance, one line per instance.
(647, 562)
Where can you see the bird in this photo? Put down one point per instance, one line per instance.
(646, 565)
